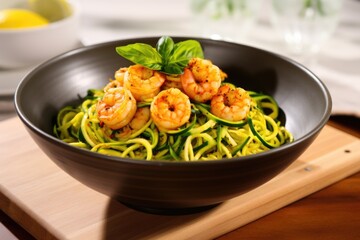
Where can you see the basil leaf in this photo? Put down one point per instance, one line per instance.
(173, 69)
(181, 54)
(191, 49)
(166, 57)
(165, 46)
(142, 54)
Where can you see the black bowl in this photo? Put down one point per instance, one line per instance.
(172, 187)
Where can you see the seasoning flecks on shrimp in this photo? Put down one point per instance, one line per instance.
(231, 103)
(116, 108)
(172, 81)
(120, 74)
(112, 84)
(170, 109)
(141, 117)
(118, 81)
(201, 79)
(144, 83)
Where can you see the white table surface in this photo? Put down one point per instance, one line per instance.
(337, 65)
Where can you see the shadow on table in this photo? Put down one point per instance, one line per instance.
(126, 223)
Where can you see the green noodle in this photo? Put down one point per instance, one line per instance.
(203, 138)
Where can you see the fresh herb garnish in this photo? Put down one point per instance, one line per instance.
(168, 57)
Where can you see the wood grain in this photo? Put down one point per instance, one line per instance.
(50, 204)
(330, 214)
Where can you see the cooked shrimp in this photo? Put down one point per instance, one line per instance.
(112, 84)
(231, 103)
(223, 75)
(120, 74)
(118, 81)
(144, 83)
(201, 79)
(170, 109)
(141, 117)
(172, 81)
(116, 108)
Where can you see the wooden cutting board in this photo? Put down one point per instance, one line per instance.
(50, 204)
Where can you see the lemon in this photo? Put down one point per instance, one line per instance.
(20, 18)
(53, 10)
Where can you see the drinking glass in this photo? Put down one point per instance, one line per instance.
(305, 25)
(224, 19)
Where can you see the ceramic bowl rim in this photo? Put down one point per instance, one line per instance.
(93, 155)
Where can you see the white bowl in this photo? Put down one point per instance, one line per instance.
(31, 46)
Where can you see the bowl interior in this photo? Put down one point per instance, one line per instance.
(58, 82)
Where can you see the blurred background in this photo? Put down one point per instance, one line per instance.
(323, 35)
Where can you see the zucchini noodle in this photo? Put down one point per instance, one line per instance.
(204, 137)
